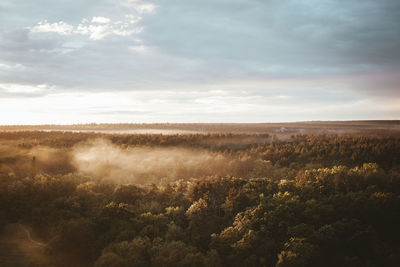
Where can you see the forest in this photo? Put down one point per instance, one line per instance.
(210, 199)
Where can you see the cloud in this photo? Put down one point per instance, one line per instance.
(100, 20)
(11, 67)
(251, 36)
(7, 95)
(60, 27)
(140, 6)
(290, 57)
(97, 32)
(132, 19)
(99, 28)
(23, 91)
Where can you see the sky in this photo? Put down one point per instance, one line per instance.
(70, 61)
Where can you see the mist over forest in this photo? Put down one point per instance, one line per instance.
(164, 133)
(273, 198)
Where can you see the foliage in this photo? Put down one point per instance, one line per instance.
(307, 201)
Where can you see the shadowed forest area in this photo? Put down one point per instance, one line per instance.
(219, 198)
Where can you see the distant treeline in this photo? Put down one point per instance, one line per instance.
(313, 127)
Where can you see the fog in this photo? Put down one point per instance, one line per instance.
(100, 158)
(21, 161)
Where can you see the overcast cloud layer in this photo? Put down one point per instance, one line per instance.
(70, 61)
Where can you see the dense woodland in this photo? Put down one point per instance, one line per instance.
(203, 199)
